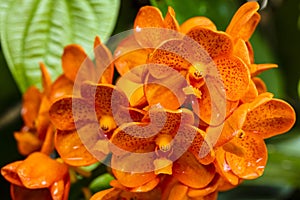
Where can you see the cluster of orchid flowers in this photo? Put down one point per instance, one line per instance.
(187, 117)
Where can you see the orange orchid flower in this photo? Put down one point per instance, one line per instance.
(134, 50)
(37, 132)
(241, 28)
(77, 65)
(37, 177)
(210, 57)
(150, 148)
(243, 153)
(85, 123)
(36, 104)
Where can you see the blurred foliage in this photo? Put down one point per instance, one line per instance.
(36, 31)
(276, 40)
(219, 11)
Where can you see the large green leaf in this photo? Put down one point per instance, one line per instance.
(34, 31)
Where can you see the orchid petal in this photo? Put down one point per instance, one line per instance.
(232, 125)
(197, 21)
(149, 17)
(248, 158)
(235, 76)
(34, 171)
(76, 64)
(213, 112)
(104, 97)
(9, 172)
(27, 142)
(260, 85)
(62, 86)
(178, 191)
(46, 79)
(133, 137)
(241, 50)
(72, 149)
(215, 43)
(244, 21)
(122, 168)
(224, 169)
(104, 65)
(129, 54)
(270, 118)
(191, 173)
(212, 187)
(31, 104)
(105, 194)
(251, 94)
(147, 187)
(256, 69)
(170, 20)
(66, 111)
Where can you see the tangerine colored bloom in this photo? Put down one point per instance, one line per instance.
(194, 126)
(241, 152)
(37, 177)
(200, 53)
(77, 67)
(235, 139)
(92, 113)
(143, 151)
(37, 132)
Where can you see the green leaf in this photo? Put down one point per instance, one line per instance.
(219, 11)
(101, 182)
(36, 31)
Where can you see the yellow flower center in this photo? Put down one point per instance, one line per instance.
(107, 123)
(164, 142)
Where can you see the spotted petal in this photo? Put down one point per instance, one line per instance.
(133, 137)
(270, 118)
(235, 76)
(251, 94)
(67, 111)
(216, 43)
(104, 97)
(170, 20)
